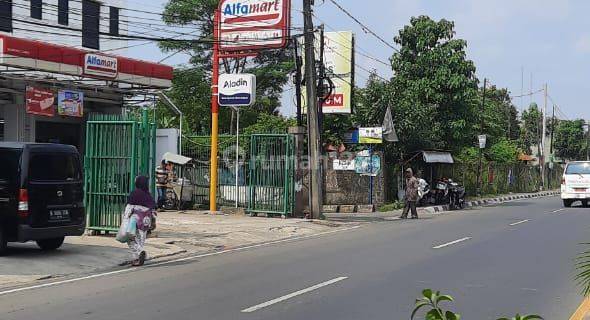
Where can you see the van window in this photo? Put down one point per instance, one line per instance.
(54, 167)
(10, 163)
(578, 168)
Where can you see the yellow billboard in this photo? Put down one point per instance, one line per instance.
(339, 63)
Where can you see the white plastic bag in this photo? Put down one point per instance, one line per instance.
(127, 229)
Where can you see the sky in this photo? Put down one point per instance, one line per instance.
(543, 39)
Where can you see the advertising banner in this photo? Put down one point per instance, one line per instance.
(70, 103)
(344, 165)
(371, 135)
(40, 101)
(339, 63)
(254, 24)
(237, 90)
(368, 166)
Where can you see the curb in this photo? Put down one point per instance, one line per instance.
(480, 203)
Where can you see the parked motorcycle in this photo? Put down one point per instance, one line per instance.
(456, 195)
(440, 192)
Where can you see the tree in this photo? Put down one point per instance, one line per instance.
(570, 142)
(271, 68)
(434, 87)
(500, 115)
(531, 129)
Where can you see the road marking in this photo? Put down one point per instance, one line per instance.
(106, 274)
(582, 310)
(519, 222)
(558, 210)
(451, 243)
(292, 295)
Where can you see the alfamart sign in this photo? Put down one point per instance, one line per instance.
(102, 66)
(254, 24)
(237, 90)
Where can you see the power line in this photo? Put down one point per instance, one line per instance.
(364, 27)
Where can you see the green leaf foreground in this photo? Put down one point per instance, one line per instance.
(430, 301)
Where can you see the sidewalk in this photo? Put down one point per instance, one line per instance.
(435, 210)
(177, 233)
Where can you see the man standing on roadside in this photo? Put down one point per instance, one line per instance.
(411, 195)
(162, 175)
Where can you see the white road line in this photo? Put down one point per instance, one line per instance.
(519, 222)
(558, 210)
(451, 243)
(105, 274)
(292, 295)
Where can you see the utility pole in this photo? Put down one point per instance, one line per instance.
(298, 80)
(553, 124)
(479, 167)
(313, 129)
(543, 139)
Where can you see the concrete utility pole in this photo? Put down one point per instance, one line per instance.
(481, 126)
(314, 138)
(543, 139)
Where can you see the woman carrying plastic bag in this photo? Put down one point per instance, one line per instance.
(137, 220)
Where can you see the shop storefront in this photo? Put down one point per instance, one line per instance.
(47, 91)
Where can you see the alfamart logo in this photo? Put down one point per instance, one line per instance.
(102, 66)
(242, 9)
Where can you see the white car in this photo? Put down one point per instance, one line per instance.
(575, 184)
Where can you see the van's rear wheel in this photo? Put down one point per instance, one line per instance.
(3, 243)
(50, 244)
(567, 203)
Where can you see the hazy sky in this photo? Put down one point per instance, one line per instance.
(550, 39)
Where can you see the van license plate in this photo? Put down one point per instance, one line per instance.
(59, 215)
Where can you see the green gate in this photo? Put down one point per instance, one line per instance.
(271, 176)
(118, 148)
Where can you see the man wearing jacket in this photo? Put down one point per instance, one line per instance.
(411, 195)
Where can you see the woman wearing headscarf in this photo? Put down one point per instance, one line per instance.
(140, 204)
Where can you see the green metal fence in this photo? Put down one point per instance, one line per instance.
(271, 175)
(118, 148)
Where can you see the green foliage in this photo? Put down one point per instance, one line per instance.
(268, 123)
(431, 301)
(434, 87)
(570, 142)
(525, 317)
(391, 206)
(504, 151)
(532, 126)
(500, 115)
(583, 268)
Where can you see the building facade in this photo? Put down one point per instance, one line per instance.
(61, 60)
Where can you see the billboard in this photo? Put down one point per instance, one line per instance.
(254, 24)
(40, 101)
(339, 63)
(371, 135)
(237, 90)
(70, 103)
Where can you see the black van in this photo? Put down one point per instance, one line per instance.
(41, 194)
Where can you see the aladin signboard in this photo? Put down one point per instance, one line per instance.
(236, 90)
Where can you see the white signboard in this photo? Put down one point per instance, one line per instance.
(237, 90)
(102, 66)
(344, 165)
(254, 24)
(482, 141)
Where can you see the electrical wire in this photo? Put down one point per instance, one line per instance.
(363, 26)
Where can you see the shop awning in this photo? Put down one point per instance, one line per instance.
(176, 158)
(437, 157)
(47, 57)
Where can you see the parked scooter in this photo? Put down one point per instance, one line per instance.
(424, 196)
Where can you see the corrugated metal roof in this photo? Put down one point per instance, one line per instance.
(437, 157)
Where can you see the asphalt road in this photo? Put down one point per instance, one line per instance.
(495, 261)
